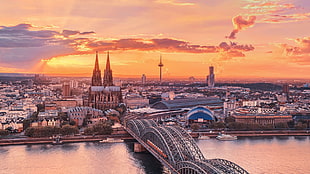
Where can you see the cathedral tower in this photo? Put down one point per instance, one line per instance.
(96, 78)
(107, 78)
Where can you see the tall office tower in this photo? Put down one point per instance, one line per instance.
(143, 79)
(107, 77)
(160, 69)
(66, 91)
(285, 89)
(211, 77)
(74, 84)
(96, 78)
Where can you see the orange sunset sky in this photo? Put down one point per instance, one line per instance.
(240, 38)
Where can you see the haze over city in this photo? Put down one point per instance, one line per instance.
(240, 38)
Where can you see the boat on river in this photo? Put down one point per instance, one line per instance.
(203, 137)
(226, 137)
(57, 140)
(111, 140)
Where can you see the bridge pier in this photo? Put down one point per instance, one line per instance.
(139, 148)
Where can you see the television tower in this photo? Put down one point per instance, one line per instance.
(160, 67)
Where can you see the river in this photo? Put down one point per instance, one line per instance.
(275, 155)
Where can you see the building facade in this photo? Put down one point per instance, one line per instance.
(211, 77)
(103, 95)
(262, 119)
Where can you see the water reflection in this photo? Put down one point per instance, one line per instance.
(262, 154)
(301, 138)
(257, 155)
(48, 147)
(146, 160)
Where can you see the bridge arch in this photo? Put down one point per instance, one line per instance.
(177, 150)
(189, 148)
(189, 167)
(161, 143)
(132, 125)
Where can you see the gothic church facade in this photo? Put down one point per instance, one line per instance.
(103, 95)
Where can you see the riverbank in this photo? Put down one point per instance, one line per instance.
(64, 139)
(126, 136)
(213, 134)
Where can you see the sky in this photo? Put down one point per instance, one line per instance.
(240, 38)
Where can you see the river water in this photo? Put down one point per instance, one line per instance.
(275, 155)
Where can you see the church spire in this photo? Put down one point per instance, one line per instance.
(107, 78)
(96, 78)
(108, 62)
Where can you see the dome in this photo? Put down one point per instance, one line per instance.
(200, 113)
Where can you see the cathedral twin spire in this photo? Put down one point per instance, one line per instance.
(107, 78)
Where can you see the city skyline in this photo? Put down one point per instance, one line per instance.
(241, 39)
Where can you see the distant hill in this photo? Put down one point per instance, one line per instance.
(16, 75)
(4, 77)
(254, 86)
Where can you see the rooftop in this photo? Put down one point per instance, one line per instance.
(187, 103)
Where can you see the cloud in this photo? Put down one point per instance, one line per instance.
(170, 45)
(68, 33)
(240, 24)
(286, 18)
(299, 53)
(275, 12)
(24, 43)
(175, 2)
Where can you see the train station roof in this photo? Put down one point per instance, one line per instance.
(187, 103)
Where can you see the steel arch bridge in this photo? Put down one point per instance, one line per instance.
(177, 150)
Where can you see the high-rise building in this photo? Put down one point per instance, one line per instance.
(160, 69)
(143, 79)
(211, 77)
(286, 89)
(103, 95)
(66, 91)
(74, 84)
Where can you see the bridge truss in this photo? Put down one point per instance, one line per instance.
(177, 150)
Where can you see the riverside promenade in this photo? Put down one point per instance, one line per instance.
(213, 134)
(126, 136)
(64, 139)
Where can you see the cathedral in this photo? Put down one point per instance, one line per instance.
(103, 95)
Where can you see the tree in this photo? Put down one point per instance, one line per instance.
(229, 119)
(217, 125)
(34, 116)
(26, 123)
(104, 128)
(237, 126)
(300, 125)
(69, 130)
(30, 131)
(4, 132)
(63, 116)
(50, 131)
(281, 125)
(41, 107)
(195, 126)
(72, 123)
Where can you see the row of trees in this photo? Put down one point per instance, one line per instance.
(49, 131)
(104, 128)
(4, 132)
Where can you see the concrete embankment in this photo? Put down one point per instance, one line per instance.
(255, 133)
(126, 136)
(64, 139)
